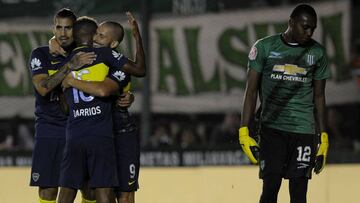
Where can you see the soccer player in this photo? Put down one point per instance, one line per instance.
(89, 150)
(50, 119)
(289, 71)
(127, 146)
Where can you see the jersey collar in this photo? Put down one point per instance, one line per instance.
(80, 47)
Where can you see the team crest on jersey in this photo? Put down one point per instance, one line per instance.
(35, 176)
(310, 59)
(253, 53)
(119, 75)
(117, 55)
(35, 64)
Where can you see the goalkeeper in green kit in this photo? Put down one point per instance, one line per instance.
(289, 72)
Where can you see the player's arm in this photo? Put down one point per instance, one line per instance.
(322, 72)
(37, 80)
(248, 144)
(250, 99)
(137, 66)
(44, 83)
(100, 89)
(55, 47)
(319, 100)
(125, 99)
(96, 88)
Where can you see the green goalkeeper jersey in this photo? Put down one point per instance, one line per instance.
(286, 87)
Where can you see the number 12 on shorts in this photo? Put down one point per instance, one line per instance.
(304, 153)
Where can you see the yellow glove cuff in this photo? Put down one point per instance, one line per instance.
(244, 131)
(324, 138)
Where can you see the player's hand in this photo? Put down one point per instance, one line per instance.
(125, 99)
(82, 58)
(321, 153)
(133, 24)
(55, 48)
(248, 145)
(66, 83)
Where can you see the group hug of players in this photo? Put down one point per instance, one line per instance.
(85, 138)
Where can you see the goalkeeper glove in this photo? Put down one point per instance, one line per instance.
(321, 153)
(248, 145)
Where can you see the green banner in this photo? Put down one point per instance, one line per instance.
(197, 63)
(46, 8)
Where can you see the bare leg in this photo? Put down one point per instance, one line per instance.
(88, 193)
(67, 195)
(126, 197)
(48, 194)
(105, 195)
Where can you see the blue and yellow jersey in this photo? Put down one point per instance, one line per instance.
(50, 120)
(90, 115)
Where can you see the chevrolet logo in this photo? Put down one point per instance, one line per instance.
(290, 69)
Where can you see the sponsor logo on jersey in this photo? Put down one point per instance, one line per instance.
(275, 55)
(119, 75)
(117, 55)
(289, 72)
(35, 64)
(54, 62)
(253, 53)
(35, 176)
(290, 69)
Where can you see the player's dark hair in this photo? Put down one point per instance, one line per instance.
(84, 29)
(303, 9)
(65, 13)
(117, 29)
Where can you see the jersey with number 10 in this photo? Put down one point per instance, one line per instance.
(287, 74)
(90, 115)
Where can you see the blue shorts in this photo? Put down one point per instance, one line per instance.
(46, 161)
(127, 147)
(89, 160)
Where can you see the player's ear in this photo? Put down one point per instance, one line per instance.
(291, 22)
(114, 44)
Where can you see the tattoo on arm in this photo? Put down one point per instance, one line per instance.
(52, 81)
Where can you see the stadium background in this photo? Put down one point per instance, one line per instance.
(189, 105)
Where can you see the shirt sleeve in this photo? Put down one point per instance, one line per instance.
(114, 59)
(322, 70)
(256, 57)
(119, 77)
(38, 63)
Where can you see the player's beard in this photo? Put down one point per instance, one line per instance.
(69, 48)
